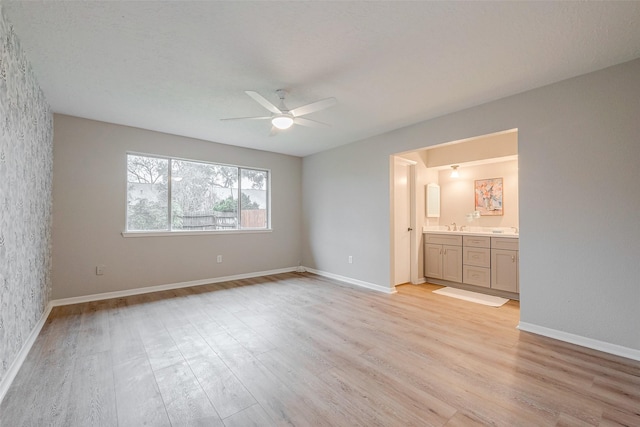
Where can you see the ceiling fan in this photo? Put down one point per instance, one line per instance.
(282, 118)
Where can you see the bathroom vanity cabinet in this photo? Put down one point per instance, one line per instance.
(443, 257)
(479, 260)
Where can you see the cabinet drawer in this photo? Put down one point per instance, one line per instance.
(480, 257)
(444, 239)
(504, 243)
(478, 276)
(476, 241)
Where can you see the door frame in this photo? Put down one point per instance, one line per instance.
(411, 183)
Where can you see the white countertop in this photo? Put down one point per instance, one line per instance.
(490, 233)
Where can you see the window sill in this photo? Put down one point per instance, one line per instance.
(128, 234)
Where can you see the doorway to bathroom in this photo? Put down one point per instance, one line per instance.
(477, 183)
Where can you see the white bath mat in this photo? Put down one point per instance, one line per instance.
(472, 296)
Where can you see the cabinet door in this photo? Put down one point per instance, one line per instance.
(452, 263)
(433, 261)
(504, 270)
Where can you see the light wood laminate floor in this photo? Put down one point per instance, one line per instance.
(303, 350)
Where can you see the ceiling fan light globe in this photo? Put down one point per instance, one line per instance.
(282, 122)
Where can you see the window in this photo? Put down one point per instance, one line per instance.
(165, 194)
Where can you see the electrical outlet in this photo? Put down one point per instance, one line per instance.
(350, 259)
(99, 270)
(219, 259)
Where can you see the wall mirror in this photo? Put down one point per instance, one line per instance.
(433, 200)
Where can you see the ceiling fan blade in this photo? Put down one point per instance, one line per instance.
(249, 118)
(314, 106)
(262, 101)
(309, 123)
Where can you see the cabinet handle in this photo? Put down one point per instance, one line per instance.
(513, 258)
(445, 251)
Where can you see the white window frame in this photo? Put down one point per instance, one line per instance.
(177, 232)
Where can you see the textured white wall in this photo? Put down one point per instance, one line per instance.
(26, 160)
(578, 192)
(89, 198)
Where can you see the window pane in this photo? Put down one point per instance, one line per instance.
(203, 196)
(225, 209)
(254, 198)
(191, 198)
(147, 190)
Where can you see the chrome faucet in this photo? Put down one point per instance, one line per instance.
(455, 228)
(462, 227)
(515, 230)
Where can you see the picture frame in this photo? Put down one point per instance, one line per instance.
(488, 196)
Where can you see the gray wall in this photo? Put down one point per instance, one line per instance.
(579, 200)
(89, 200)
(26, 142)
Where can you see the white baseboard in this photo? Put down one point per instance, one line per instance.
(603, 346)
(158, 288)
(356, 282)
(11, 373)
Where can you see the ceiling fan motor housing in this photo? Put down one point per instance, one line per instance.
(282, 93)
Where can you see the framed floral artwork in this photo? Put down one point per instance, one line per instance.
(488, 196)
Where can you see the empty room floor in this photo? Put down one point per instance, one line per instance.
(303, 350)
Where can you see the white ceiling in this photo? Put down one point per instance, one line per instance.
(179, 67)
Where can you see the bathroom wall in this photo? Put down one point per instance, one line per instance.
(26, 144)
(457, 194)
